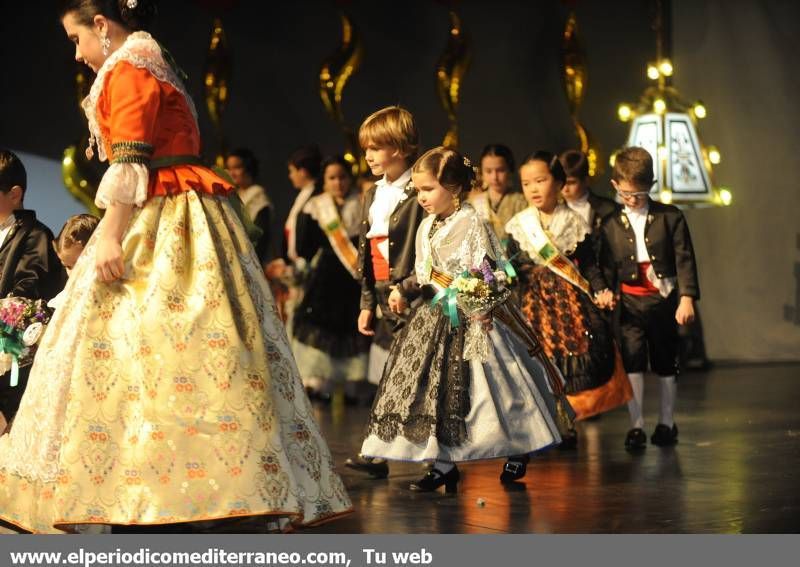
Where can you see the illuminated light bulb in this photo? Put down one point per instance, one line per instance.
(666, 196)
(624, 112)
(652, 72)
(665, 67)
(714, 155)
(659, 105)
(612, 158)
(662, 152)
(725, 196)
(699, 110)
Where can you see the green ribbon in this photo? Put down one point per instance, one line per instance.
(447, 297)
(12, 344)
(508, 268)
(172, 161)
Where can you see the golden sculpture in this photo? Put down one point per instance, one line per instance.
(574, 78)
(336, 70)
(217, 74)
(80, 177)
(450, 71)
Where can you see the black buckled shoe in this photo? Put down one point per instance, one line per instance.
(434, 479)
(515, 468)
(636, 439)
(664, 436)
(569, 441)
(376, 469)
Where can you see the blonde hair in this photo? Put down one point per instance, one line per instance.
(451, 170)
(392, 127)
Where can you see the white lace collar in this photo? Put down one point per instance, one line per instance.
(140, 50)
(399, 183)
(567, 229)
(428, 243)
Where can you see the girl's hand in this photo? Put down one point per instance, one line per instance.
(397, 303)
(108, 260)
(605, 299)
(485, 320)
(685, 313)
(365, 322)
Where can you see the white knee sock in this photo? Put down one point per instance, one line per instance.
(443, 466)
(668, 390)
(635, 404)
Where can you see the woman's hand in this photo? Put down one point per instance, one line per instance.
(108, 256)
(365, 322)
(397, 303)
(108, 260)
(685, 313)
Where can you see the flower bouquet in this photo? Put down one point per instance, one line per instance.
(476, 292)
(22, 324)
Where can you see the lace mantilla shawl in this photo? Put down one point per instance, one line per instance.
(461, 243)
(567, 230)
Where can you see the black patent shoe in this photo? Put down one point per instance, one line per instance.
(434, 479)
(636, 439)
(514, 469)
(569, 440)
(376, 469)
(664, 436)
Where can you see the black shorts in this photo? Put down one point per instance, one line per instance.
(649, 332)
(10, 397)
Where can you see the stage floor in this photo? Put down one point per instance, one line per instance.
(736, 470)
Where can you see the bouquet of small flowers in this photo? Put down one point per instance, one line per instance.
(476, 292)
(480, 289)
(22, 324)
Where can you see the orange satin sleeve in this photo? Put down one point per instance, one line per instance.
(133, 96)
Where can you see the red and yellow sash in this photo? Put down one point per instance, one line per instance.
(322, 209)
(533, 239)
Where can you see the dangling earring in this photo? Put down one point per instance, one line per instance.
(105, 43)
(456, 201)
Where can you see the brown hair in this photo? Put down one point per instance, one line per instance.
(634, 165)
(77, 230)
(137, 18)
(574, 163)
(12, 172)
(392, 127)
(452, 171)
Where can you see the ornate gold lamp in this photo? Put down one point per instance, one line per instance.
(665, 124)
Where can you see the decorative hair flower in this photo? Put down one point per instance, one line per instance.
(467, 162)
(131, 4)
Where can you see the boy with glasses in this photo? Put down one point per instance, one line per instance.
(647, 251)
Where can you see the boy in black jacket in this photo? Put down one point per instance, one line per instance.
(29, 265)
(647, 252)
(389, 222)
